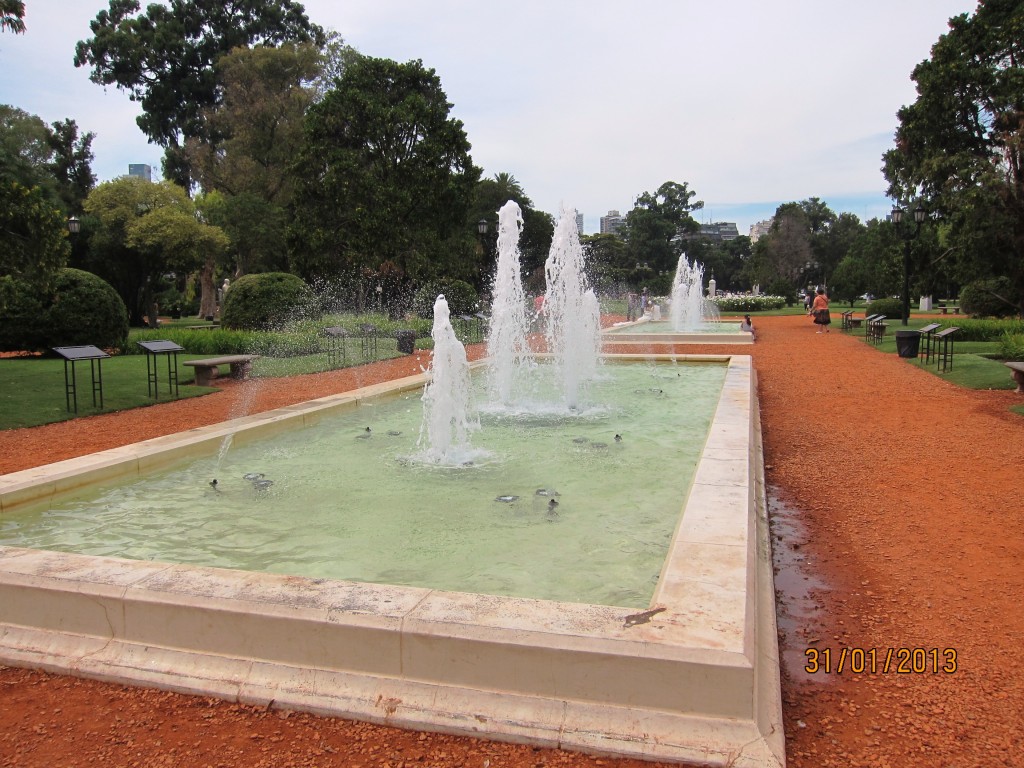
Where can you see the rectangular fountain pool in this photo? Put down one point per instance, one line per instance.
(656, 332)
(694, 677)
(541, 512)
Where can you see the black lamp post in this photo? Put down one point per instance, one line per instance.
(74, 225)
(908, 237)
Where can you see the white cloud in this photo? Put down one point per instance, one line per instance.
(592, 103)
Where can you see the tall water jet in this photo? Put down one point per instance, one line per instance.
(446, 397)
(689, 308)
(507, 346)
(573, 329)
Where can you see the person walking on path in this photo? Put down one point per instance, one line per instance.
(819, 309)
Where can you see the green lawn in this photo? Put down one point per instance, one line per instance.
(33, 388)
(973, 367)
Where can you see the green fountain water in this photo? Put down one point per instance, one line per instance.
(347, 503)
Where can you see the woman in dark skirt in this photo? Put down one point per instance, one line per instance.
(820, 311)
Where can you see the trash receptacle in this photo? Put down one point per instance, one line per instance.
(407, 342)
(908, 343)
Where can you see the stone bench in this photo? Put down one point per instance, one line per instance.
(1017, 372)
(207, 368)
(945, 310)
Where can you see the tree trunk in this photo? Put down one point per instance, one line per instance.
(208, 291)
(150, 306)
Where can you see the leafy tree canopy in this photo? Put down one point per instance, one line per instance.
(384, 176)
(961, 143)
(652, 229)
(145, 231)
(164, 58)
(251, 135)
(55, 157)
(12, 16)
(33, 237)
(538, 226)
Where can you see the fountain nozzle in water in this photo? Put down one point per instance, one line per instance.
(574, 316)
(446, 397)
(689, 307)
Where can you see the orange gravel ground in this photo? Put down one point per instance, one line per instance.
(897, 524)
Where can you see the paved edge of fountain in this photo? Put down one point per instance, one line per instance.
(696, 682)
(635, 333)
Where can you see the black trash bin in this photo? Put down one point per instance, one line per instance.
(908, 343)
(407, 342)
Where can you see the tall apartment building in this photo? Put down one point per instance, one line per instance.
(719, 232)
(579, 222)
(141, 170)
(611, 223)
(760, 229)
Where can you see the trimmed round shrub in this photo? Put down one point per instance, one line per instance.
(267, 301)
(784, 289)
(887, 307)
(81, 309)
(461, 297)
(979, 299)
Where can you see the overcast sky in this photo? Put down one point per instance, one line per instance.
(590, 103)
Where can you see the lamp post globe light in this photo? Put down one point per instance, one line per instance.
(74, 225)
(897, 216)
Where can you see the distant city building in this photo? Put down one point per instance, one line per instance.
(760, 229)
(141, 170)
(719, 232)
(611, 223)
(579, 222)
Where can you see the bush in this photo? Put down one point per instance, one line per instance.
(81, 309)
(748, 303)
(785, 290)
(267, 301)
(979, 299)
(461, 297)
(1011, 346)
(888, 307)
(988, 329)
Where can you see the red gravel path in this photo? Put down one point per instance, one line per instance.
(903, 497)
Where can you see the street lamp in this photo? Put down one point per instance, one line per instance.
(897, 216)
(74, 225)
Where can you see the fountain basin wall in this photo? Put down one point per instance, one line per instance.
(644, 331)
(696, 682)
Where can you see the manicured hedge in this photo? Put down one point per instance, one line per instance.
(267, 301)
(80, 309)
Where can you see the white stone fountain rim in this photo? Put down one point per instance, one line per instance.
(697, 681)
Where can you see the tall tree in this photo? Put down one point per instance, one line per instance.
(144, 232)
(25, 150)
(385, 175)
(12, 16)
(655, 228)
(534, 240)
(164, 58)
(253, 135)
(71, 164)
(961, 143)
(57, 159)
(33, 238)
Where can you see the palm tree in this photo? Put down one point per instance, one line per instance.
(511, 189)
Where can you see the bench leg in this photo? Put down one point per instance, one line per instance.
(240, 370)
(1018, 376)
(205, 376)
